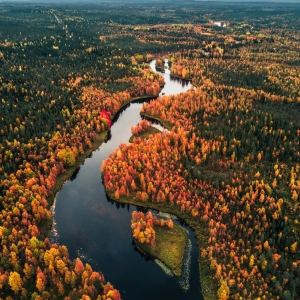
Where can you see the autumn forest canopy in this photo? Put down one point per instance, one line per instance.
(228, 163)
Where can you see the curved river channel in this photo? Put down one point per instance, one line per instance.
(98, 230)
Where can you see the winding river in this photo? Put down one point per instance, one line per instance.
(98, 230)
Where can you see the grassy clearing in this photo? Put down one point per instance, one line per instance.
(144, 135)
(169, 247)
(165, 124)
(208, 283)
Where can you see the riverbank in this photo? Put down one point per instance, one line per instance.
(209, 285)
(96, 143)
(81, 193)
(144, 135)
(165, 124)
(169, 247)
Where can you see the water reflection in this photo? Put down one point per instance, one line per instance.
(153, 121)
(126, 106)
(74, 175)
(97, 229)
(180, 81)
(108, 137)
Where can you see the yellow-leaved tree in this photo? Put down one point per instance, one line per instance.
(223, 291)
(15, 281)
(68, 156)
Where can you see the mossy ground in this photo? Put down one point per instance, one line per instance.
(169, 247)
(160, 69)
(144, 135)
(209, 284)
(165, 124)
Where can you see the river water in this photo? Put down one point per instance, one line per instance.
(98, 230)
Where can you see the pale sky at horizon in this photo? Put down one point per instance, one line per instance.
(140, 1)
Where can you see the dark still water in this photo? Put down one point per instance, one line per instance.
(98, 230)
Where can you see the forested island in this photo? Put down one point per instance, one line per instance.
(227, 165)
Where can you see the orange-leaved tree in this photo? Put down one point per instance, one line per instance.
(143, 226)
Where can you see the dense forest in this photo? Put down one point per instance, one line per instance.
(229, 165)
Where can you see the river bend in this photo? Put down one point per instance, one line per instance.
(98, 230)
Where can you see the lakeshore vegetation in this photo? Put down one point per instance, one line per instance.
(229, 165)
(159, 238)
